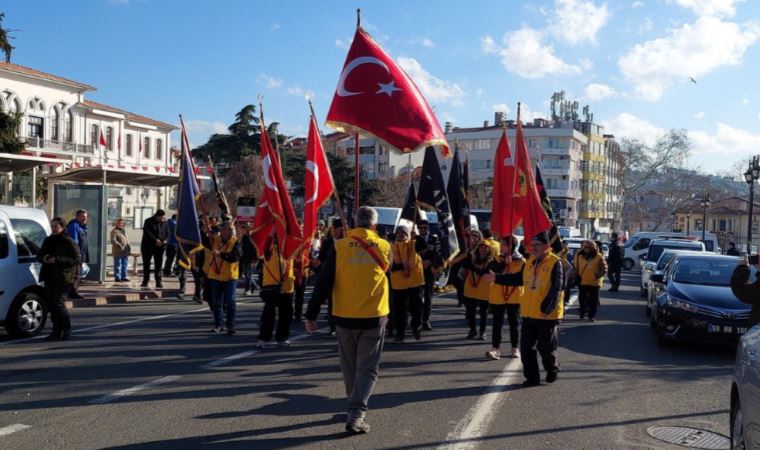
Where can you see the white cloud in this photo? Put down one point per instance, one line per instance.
(689, 51)
(343, 43)
(434, 89)
(527, 114)
(596, 92)
(628, 126)
(203, 126)
(523, 53)
(645, 26)
(426, 42)
(585, 64)
(275, 26)
(745, 100)
(299, 92)
(501, 107)
(480, 92)
(269, 82)
(717, 8)
(726, 140)
(637, 4)
(700, 115)
(577, 21)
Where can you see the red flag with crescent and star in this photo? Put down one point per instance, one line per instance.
(319, 184)
(275, 206)
(375, 97)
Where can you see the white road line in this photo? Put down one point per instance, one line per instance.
(129, 391)
(475, 423)
(5, 431)
(229, 359)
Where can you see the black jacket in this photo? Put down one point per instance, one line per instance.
(431, 254)
(67, 259)
(615, 256)
(249, 250)
(747, 293)
(153, 230)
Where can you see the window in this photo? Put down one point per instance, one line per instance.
(370, 150)
(159, 149)
(481, 164)
(29, 236)
(34, 127)
(382, 168)
(481, 144)
(109, 138)
(129, 145)
(146, 146)
(54, 125)
(94, 134)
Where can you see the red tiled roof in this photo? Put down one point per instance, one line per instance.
(130, 116)
(38, 74)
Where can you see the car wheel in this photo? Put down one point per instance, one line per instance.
(628, 264)
(737, 428)
(27, 315)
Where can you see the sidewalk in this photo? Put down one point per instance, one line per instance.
(111, 293)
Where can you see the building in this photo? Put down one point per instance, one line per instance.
(377, 160)
(727, 218)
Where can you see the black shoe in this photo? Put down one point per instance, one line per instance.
(551, 377)
(427, 327)
(143, 284)
(417, 335)
(531, 383)
(230, 331)
(180, 295)
(65, 336)
(125, 280)
(583, 315)
(481, 337)
(159, 285)
(75, 296)
(358, 427)
(472, 334)
(590, 319)
(53, 337)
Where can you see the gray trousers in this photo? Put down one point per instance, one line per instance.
(360, 352)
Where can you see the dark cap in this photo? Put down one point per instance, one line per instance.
(423, 222)
(542, 237)
(337, 223)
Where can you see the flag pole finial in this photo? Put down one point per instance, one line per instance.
(518, 111)
(358, 18)
(261, 108)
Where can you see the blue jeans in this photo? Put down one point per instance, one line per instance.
(223, 293)
(120, 264)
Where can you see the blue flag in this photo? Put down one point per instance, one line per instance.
(187, 231)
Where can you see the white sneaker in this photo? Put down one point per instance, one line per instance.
(261, 344)
(285, 343)
(515, 352)
(493, 354)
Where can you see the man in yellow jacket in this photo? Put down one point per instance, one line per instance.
(223, 271)
(542, 279)
(590, 269)
(354, 274)
(407, 280)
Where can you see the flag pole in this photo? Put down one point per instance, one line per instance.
(186, 145)
(358, 18)
(276, 238)
(329, 172)
(357, 172)
(514, 180)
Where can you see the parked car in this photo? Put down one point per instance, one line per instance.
(22, 307)
(638, 244)
(745, 392)
(651, 266)
(696, 302)
(660, 245)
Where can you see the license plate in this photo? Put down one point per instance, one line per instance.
(713, 328)
(741, 330)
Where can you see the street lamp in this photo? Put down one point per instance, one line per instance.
(688, 219)
(673, 221)
(751, 175)
(705, 203)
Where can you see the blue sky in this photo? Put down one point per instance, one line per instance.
(629, 60)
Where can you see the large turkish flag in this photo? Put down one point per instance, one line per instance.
(319, 181)
(375, 97)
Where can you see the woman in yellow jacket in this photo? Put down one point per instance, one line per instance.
(277, 294)
(407, 279)
(590, 269)
(477, 291)
(222, 272)
(506, 299)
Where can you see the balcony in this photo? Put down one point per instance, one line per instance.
(556, 169)
(38, 145)
(556, 151)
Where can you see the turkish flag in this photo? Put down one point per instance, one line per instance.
(277, 198)
(102, 139)
(375, 97)
(527, 200)
(503, 218)
(263, 222)
(319, 184)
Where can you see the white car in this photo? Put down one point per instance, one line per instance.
(654, 255)
(22, 303)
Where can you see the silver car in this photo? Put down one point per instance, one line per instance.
(745, 392)
(22, 307)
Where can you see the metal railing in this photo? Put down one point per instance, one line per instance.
(35, 143)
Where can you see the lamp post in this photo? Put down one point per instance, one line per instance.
(705, 203)
(673, 222)
(751, 175)
(688, 220)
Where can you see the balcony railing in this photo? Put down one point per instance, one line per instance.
(37, 144)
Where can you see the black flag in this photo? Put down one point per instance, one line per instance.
(410, 205)
(546, 203)
(460, 207)
(432, 194)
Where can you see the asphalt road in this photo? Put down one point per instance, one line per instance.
(152, 376)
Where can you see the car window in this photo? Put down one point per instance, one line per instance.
(708, 245)
(664, 260)
(642, 244)
(630, 242)
(655, 250)
(3, 240)
(710, 273)
(29, 236)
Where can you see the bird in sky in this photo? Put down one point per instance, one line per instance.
(692, 80)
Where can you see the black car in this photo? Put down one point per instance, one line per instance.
(696, 302)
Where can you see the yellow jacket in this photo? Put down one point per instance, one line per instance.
(542, 283)
(591, 270)
(278, 271)
(474, 285)
(360, 290)
(405, 252)
(216, 268)
(509, 295)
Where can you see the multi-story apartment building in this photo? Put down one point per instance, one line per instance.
(377, 160)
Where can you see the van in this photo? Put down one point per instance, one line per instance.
(436, 229)
(23, 311)
(483, 217)
(389, 218)
(638, 244)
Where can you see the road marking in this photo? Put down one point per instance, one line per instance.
(229, 359)
(10, 429)
(475, 423)
(129, 391)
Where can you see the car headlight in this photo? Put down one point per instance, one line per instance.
(680, 304)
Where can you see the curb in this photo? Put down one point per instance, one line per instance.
(115, 299)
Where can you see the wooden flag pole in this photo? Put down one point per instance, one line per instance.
(514, 180)
(357, 172)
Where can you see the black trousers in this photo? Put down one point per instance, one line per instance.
(614, 275)
(427, 299)
(588, 299)
(407, 302)
(541, 335)
(513, 317)
(472, 307)
(55, 297)
(171, 253)
(300, 291)
(198, 281)
(157, 257)
(277, 308)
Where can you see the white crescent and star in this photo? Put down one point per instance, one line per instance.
(383, 88)
(311, 167)
(267, 163)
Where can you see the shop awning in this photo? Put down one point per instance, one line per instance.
(116, 176)
(10, 162)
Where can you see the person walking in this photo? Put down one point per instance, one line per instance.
(301, 273)
(60, 259)
(431, 263)
(171, 245)
(589, 271)
(506, 300)
(407, 280)
(325, 249)
(154, 238)
(277, 294)
(120, 250)
(224, 270)
(746, 291)
(732, 250)
(614, 263)
(354, 274)
(476, 289)
(542, 308)
(76, 229)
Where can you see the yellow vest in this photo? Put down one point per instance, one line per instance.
(360, 290)
(404, 252)
(217, 268)
(510, 295)
(586, 269)
(475, 287)
(278, 271)
(536, 284)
